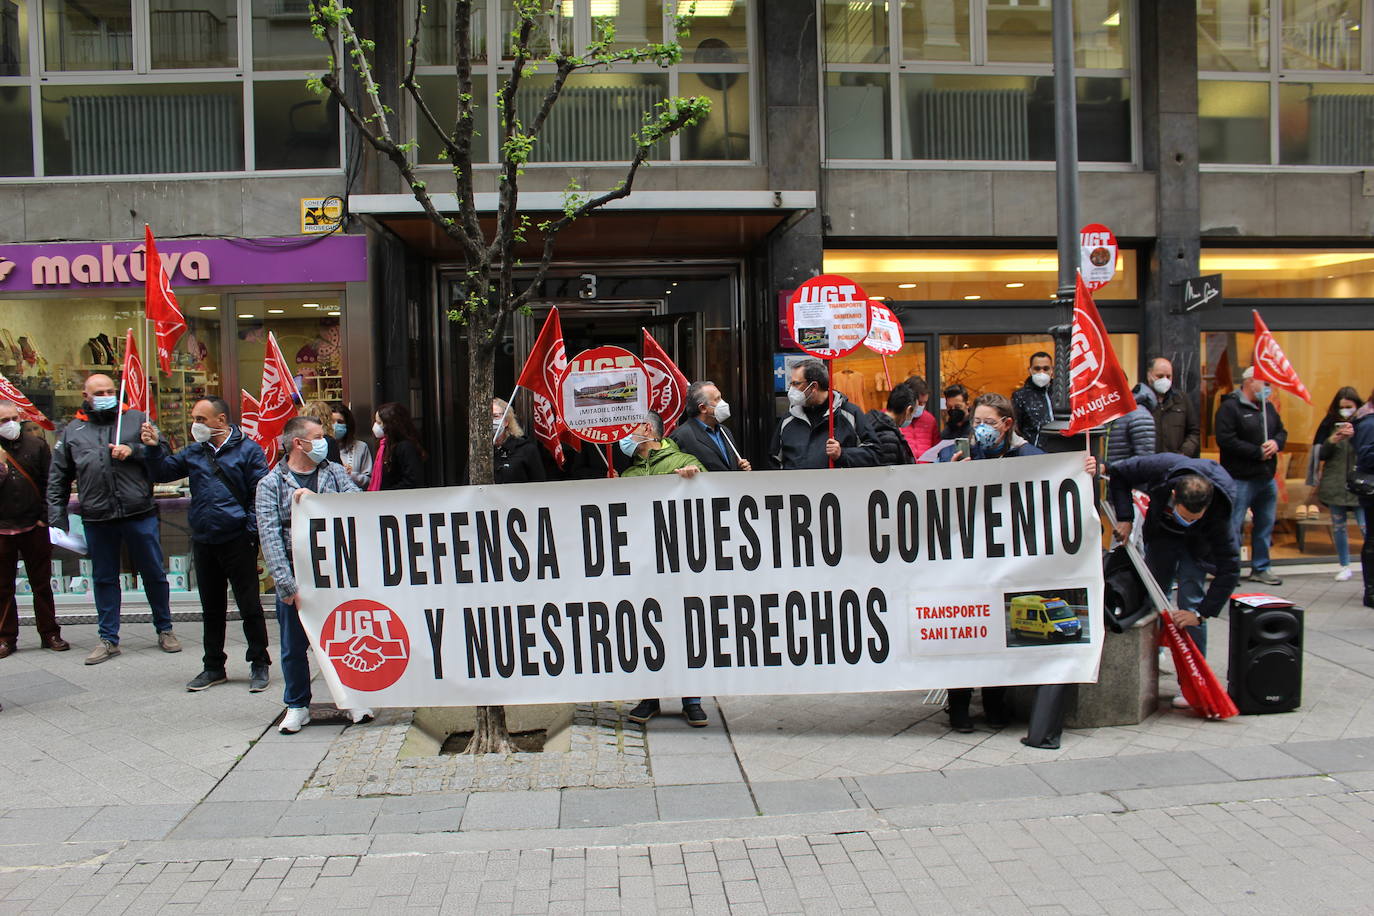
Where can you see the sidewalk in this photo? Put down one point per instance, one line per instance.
(122, 792)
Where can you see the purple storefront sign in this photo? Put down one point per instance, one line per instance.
(75, 266)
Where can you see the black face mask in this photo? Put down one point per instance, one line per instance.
(956, 416)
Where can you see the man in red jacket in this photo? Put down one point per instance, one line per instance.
(924, 429)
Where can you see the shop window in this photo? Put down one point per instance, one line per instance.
(204, 34)
(14, 38)
(1293, 273)
(105, 129)
(308, 330)
(292, 127)
(976, 81)
(969, 275)
(1326, 361)
(282, 39)
(999, 363)
(88, 34)
(16, 126)
(866, 379)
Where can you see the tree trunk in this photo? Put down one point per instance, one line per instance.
(490, 735)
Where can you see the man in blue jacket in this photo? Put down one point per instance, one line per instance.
(1364, 463)
(1187, 532)
(224, 466)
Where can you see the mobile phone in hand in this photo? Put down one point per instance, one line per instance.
(962, 448)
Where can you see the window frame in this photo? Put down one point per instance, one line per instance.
(1276, 76)
(495, 69)
(143, 74)
(898, 66)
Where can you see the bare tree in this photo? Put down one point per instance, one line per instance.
(489, 291)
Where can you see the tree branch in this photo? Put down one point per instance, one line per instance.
(413, 88)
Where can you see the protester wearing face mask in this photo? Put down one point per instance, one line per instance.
(890, 425)
(1250, 435)
(400, 463)
(1177, 427)
(515, 457)
(305, 469)
(702, 433)
(1335, 450)
(325, 414)
(1187, 533)
(801, 439)
(958, 422)
(24, 463)
(102, 452)
(354, 454)
(1031, 402)
(654, 455)
(924, 429)
(994, 436)
(1131, 436)
(224, 467)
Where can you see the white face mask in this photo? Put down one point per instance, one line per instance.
(917, 411)
(378, 431)
(202, 432)
(10, 430)
(1162, 384)
(1040, 379)
(496, 425)
(796, 397)
(1345, 412)
(722, 411)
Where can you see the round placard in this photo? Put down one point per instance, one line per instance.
(603, 394)
(828, 316)
(1098, 257)
(885, 334)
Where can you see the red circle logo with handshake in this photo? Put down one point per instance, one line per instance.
(367, 644)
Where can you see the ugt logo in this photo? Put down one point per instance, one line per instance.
(367, 644)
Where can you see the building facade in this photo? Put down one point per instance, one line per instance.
(908, 145)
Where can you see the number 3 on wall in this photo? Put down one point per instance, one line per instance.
(588, 291)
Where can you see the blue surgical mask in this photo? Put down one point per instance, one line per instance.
(104, 402)
(340, 430)
(319, 450)
(987, 437)
(629, 445)
(1183, 522)
(1266, 393)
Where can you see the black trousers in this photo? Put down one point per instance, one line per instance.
(1367, 552)
(994, 699)
(233, 564)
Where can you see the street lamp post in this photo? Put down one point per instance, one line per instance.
(1066, 199)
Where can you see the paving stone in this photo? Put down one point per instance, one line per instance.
(684, 803)
(1343, 756)
(607, 807)
(511, 810)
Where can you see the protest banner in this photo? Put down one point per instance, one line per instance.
(876, 579)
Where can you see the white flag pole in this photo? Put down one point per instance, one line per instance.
(506, 413)
(119, 406)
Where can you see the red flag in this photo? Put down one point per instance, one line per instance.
(161, 304)
(1098, 390)
(667, 384)
(135, 379)
(277, 402)
(27, 411)
(248, 422)
(1196, 679)
(539, 377)
(1272, 366)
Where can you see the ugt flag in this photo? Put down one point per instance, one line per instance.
(134, 379)
(539, 377)
(248, 422)
(27, 411)
(667, 384)
(161, 307)
(277, 402)
(1272, 366)
(1098, 390)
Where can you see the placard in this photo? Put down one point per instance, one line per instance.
(885, 334)
(1098, 261)
(828, 316)
(604, 394)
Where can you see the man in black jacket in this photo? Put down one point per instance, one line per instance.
(887, 426)
(802, 441)
(1250, 436)
(701, 435)
(1031, 402)
(224, 466)
(117, 508)
(1176, 414)
(24, 461)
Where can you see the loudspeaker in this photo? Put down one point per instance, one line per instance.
(1265, 672)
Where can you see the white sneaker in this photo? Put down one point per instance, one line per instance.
(1181, 703)
(296, 717)
(359, 716)
(1344, 574)
(1301, 513)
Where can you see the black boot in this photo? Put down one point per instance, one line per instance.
(959, 719)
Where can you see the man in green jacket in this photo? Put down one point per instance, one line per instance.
(654, 454)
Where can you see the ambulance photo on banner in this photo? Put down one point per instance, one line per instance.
(877, 579)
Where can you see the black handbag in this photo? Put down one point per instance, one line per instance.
(1361, 483)
(1125, 598)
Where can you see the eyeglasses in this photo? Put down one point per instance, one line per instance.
(986, 422)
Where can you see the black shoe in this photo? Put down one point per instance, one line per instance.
(996, 719)
(206, 679)
(258, 678)
(695, 715)
(960, 720)
(1369, 598)
(644, 711)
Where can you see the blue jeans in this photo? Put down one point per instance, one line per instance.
(1340, 537)
(140, 536)
(1261, 497)
(295, 656)
(1170, 561)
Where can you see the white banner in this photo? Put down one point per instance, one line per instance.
(835, 581)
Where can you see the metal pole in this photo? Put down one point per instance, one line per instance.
(1066, 187)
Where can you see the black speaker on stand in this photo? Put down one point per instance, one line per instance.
(1265, 672)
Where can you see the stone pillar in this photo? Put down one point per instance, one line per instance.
(1169, 145)
(1127, 688)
